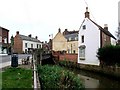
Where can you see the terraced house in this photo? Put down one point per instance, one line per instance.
(72, 41)
(25, 44)
(66, 41)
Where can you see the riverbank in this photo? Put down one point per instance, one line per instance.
(56, 77)
(92, 78)
(109, 71)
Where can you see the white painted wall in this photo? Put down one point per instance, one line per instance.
(92, 42)
(29, 44)
(119, 20)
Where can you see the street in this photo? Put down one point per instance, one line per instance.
(7, 58)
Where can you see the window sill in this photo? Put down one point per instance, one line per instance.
(82, 58)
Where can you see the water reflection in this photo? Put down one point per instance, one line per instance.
(93, 80)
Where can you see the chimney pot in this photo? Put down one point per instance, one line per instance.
(87, 13)
(106, 26)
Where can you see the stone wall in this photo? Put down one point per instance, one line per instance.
(111, 71)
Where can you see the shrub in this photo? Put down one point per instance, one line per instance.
(110, 55)
(58, 77)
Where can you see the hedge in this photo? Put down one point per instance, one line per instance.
(110, 55)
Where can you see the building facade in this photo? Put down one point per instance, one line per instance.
(25, 44)
(119, 22)
(4, 40)
(72, 41)
(66, 41)
(91, 37)
(59, 42)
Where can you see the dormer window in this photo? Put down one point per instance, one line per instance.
(84, 26)
(69, 38)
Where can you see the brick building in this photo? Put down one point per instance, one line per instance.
(25, 44)
(4, 40)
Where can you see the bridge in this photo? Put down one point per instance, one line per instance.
(45, 59)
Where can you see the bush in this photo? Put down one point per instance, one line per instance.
(58, 77)
(110, 55)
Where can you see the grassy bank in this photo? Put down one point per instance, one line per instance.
(58, 77)
(17, 78)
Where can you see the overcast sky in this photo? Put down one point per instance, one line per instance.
(43, 17)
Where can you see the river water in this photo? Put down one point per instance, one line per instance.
(94, 80)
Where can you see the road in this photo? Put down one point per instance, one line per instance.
(7, 58)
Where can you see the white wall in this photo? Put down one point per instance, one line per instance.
(119, 19)
(29, 44)
(92, 42)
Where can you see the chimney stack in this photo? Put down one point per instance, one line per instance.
(87, 13)
(36, 37)
(17, 33)
(59, 30)
(29, 35)
(106, 27)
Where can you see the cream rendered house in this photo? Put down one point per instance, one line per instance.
(59, 42)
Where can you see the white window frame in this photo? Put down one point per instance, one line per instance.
(82, 52)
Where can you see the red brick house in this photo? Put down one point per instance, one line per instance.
(4, 40)
(25, 44)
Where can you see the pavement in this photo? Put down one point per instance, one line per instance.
(5, 64)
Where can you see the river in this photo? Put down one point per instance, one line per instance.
(94, 80)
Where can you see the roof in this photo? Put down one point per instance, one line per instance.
(73, 37)
(23, 37)
(102, 29)
(4, 28)
(66, 32)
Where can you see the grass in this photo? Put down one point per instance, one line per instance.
(17, 78)
(58, 77)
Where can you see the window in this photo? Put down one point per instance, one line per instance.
(31, 45)
(69, 38)
(68, 50)
(26, 45)
(5, 40)
(105, 37)
(82, 39)
(84, 26)
(76, 38)
(37, 45)
(74, 51)
(0, 39)
(82, 52)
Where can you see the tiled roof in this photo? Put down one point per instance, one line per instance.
(103, 30)
(69, 32)
(23, 37)
(73, 37)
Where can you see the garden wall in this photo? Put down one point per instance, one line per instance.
(65, 56)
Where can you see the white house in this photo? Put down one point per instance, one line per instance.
(91, 37)
(25, 44)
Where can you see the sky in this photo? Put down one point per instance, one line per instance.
(43, 17)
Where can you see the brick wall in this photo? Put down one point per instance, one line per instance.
(17, 44)
(64, 56)
(105, 40)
